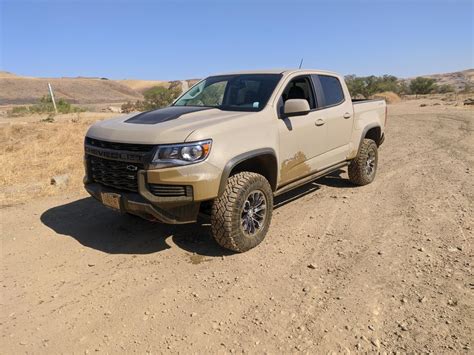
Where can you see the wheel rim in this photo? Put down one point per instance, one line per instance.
(253, 213)
(370, 164)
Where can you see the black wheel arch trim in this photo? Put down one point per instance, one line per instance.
(367, 129)
(241, 158)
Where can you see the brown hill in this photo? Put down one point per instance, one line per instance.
(142, 85)
(458, 80)
(23, 90)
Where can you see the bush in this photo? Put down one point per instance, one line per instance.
(445, 88)
(45, 105)
(133, 106)
(467, 89)
(19, 111)
(422, 86)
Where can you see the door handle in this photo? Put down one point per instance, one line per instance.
(347, 115)
(319, 122)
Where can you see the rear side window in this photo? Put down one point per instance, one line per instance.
(331, 90)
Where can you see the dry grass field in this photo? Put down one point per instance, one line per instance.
(32, 152)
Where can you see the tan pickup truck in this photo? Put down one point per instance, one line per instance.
(230, 144)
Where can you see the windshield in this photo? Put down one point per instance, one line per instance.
(244, 92)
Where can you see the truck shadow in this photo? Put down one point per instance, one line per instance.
(100, 228)
(335, 179)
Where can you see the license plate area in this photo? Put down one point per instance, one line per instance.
(111, 200)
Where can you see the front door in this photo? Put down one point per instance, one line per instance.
(302, 138)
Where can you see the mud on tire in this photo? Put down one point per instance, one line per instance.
(363, 168)
(230, 212)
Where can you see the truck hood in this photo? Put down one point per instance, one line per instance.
(168, 125)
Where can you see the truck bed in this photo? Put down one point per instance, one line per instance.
(370, 111)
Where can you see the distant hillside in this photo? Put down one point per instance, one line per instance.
(21, 90)
(458, 80)
(142, 85)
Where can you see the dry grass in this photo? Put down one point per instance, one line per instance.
(31, 153)
(388, 96)
(21, 90)
(143, 85)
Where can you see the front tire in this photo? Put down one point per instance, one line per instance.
(241, 216)
(363, 168)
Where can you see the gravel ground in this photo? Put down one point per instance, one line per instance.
(385, 267)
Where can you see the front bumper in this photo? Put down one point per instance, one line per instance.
(200, 183)
(178, 212)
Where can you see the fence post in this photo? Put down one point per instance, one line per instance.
(52, 97)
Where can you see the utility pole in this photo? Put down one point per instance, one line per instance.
(52, 97)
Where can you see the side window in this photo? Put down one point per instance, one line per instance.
(331, 90)
(300, 88)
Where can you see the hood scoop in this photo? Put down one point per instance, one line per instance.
(164, 114)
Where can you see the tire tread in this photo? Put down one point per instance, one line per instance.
(224, 211)
(356, 170)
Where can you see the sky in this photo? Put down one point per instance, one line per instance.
(172, 40)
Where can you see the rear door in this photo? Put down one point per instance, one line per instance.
(337, 113)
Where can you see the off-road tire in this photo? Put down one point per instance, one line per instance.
(227, 212)
(358, 170)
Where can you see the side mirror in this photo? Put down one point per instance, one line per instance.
(296, 107)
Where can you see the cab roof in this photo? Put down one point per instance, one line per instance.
(280, 71)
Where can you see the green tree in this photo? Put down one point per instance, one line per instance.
(388, 83)
(404, 88)
(421, 86)
(355, 85)
(159, 96)
(370, 85)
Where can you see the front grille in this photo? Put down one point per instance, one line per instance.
(170, 190)
(121, 175)
(144, 148)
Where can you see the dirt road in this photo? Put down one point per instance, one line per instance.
(385, 267)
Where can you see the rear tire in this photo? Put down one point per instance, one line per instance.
(241, 216)
(363, 168)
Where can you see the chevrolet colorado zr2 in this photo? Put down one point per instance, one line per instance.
(229, 145)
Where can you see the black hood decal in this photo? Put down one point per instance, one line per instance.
(164, 114)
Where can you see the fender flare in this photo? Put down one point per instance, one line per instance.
(239, 159)
(365, 130)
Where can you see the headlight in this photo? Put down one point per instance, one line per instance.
(181, 154)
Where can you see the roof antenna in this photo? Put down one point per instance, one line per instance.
(301, 63)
